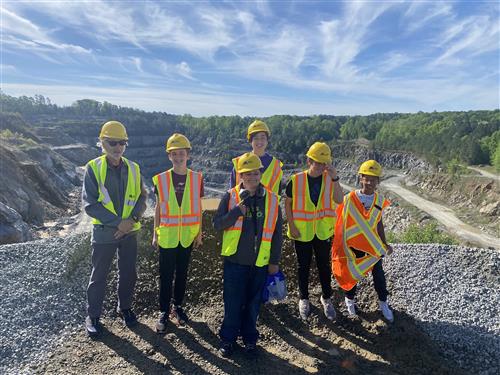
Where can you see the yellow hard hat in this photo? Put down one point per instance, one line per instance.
(320, 152)
(370, 168)
(113, 129)
(177, 141)
(256, 127)
(248, 162)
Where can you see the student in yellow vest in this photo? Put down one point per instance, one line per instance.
(359, 243)
(114, 196)
(177, 226)
(310, 208)
(250, 216)
(258, 134)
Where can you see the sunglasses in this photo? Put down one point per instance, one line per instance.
(114, 143)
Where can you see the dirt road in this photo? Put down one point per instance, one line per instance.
(485, 173)
(443, 214)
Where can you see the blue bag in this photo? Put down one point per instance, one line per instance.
(274, 288)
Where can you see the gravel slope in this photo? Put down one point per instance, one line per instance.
(445, 297)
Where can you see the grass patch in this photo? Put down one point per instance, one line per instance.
(428, 233)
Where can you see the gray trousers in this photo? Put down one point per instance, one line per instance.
(102, 257)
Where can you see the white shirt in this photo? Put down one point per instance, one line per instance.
(366, 199)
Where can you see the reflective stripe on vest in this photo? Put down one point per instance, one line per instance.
(356, 229)
(231, 236)
(178, 224)
(271, 177)
(132, 192)
(313, 220)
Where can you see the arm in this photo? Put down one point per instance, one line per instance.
(156, 222)
(232, 179)
(276, 245)
(338, 193)
(93, 208)
(381, 233)
(198, 241)
(140, 205)
(289, 216)
(223, 218)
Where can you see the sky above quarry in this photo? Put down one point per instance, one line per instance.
(255, 58)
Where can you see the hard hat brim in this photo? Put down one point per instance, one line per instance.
(325, 161)
(177, 148)
(245, 170)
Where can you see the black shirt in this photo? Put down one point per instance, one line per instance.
(314, 188)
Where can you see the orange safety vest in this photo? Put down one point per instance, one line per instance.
(312, 220)
(356, 229)
(271, 177)
(231, 236)
(178, 224)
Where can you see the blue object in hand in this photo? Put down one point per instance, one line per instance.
(275, 288)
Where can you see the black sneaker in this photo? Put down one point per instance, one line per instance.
(161, 324)
(128, 316)
(93, 326)
(251, 350)
(178, 316)
(226, 349)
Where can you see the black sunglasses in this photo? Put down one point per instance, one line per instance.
(114, 143)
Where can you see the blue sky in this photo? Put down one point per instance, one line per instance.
(255, 58)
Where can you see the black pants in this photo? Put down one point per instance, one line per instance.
(378, 281)
(321, 249)
(173, 261)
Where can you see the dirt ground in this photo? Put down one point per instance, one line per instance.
(287, 344)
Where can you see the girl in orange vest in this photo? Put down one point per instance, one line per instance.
(310, 202)
(177, 227)
(359, 243)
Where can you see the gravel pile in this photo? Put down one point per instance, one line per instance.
(450, 291)
(42, 294)
(453, 293)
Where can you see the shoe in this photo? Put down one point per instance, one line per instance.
(161, 324)
(251, 350)
(178, 316)
(304, 309)
(128, 316)
(328, 308)
(351, 308)
(386, 311)
(226, 349)
(93, 326)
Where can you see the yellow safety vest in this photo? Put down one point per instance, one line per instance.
(309, 219)
(178, 224)
(231, 236)
(271, 177)
(132, 192)
(357, 229)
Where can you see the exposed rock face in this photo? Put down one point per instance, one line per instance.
(12, 226)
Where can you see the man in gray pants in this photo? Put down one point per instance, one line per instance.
(114, 196)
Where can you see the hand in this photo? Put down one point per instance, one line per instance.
(332, 172)
(154, 242)
(198, 241)
(272, 269)
(119, 234)
(294, 231)
(389, 249)
(126, 225)
(243, 208)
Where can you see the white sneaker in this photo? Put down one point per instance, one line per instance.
(304, 308)
(328, 308)
(386, 311)
(351, 308)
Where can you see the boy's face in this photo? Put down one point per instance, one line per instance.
(251, 179)
(368, 183)
(315, 167)
(259, 141)
(179, 157)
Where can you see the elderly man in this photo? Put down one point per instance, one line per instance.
(114, 196)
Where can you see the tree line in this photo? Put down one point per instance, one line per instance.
(470, 137)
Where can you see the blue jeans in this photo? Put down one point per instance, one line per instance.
(242, 298)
